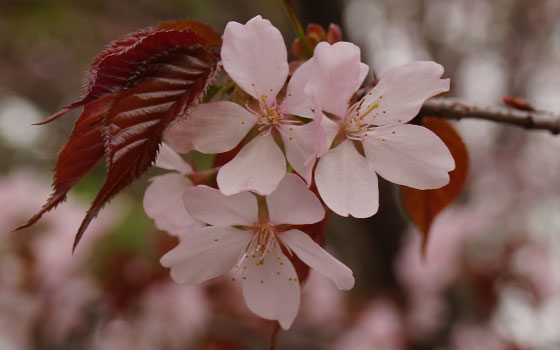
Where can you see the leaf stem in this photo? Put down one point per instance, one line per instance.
(297, 27)
(217, 91)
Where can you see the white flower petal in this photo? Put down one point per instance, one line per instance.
(163, 202)
(364, 70)
(297, 101)
(347, 182)
(404, 90)
(206, 253)
(331, 130)
(168, 159)
(212, 207)
(300, 144)
(335, 75)
(271, 287)
(293, 203)
(255, 57)
(258, 167)
(410, 155)
(317, 258)
(214, 127)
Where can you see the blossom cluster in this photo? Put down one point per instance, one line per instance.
(303, 142)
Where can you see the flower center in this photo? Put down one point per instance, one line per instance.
(355, 124)
(269, 116)
(262, 242)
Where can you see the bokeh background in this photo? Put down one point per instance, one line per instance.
(491, 278)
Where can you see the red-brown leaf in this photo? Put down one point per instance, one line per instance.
(208, 35)
(169, 86)
(84, 149)
(117, 63)
(423, 206)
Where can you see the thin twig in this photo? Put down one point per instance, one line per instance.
(297, 27)
(453, 108)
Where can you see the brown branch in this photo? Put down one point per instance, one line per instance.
(453, 108)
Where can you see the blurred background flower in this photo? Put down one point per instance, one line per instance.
(491, 276)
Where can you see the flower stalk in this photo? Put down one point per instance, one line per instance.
(298, 29)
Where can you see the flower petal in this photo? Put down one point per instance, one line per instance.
(297, 100)
(364, 70)
(347, 182)
(206, 253)
(331, 130)
(163, 202)
(336, 75)
(317, 258)
(324, 136)
(409, 155)
(300, 144)
(168, 159)
(293, 203)
(212, 207)
(271, 287)
(404, 89)
(255, 57)
(258, 167)
(214, 127)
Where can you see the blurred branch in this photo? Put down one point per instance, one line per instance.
(453, 108)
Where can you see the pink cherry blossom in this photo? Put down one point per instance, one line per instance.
(255, 248)
(371, 137)
(378, 326)
(255, 57)
(163, 199)
(167, 316)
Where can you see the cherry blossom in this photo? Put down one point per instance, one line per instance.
(255, 57)
(255, 245)
(163, 199)
(370, 137)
